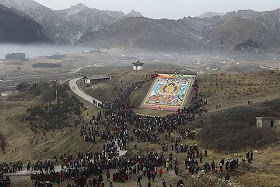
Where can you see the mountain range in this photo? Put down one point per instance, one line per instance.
(214, 32)
(82, 25)
(145, 33)
(17, 27)
(68, 25)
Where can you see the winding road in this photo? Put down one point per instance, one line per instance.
(75, 89)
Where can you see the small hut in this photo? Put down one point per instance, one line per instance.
(267, 122)
(91, 80)
(138, 66)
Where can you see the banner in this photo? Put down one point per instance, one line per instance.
(169, 92)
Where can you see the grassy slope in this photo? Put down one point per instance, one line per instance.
(264, 170)
(105, 91)
(22, 142)
(228, 90)
(263, 89)
(138, 95)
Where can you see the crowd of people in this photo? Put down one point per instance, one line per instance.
(111, 126)
(11, 167)
(7, 168)
(89, 169)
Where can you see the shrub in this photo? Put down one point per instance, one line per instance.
(22, 86)
(48, 96)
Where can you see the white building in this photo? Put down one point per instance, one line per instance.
(138, 66)
(87, 80)
(91, 80)
(267, 122)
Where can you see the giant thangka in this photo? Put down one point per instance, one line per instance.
(169, 92)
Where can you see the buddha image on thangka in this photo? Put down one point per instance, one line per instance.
(168, 92)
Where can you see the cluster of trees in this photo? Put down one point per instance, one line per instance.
(23, 86)
(54, 115)
(251, 46)
(45, 90)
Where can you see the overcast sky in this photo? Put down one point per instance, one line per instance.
(168, 8)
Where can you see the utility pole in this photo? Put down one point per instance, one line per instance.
(56, 92)
(56, 96)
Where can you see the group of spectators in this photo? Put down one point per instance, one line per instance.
(250, 156)
(11, 167)
(112, 126)
(90, 171)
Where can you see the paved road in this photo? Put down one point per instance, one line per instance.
(74, 87)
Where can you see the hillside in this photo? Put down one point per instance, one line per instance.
(20, 141)
(226, 132)
(108, 90)
(16, 27)
(237, 29)
(241, 121)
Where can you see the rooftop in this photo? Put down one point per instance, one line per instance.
(267, 118)
(138, 63)
(97, 77)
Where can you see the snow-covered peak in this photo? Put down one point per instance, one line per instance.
(77, 9)
(79, 6)
(133, 13)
